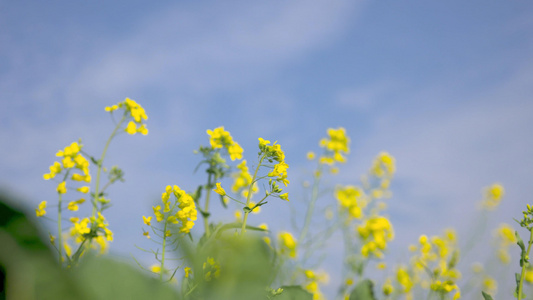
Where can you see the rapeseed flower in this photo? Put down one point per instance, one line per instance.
(132, 110)
(243, 179)
(492, 196)
(287, 244)
(219, 190)
(40, 211)
(375, 232)
(352, 199)
(220, 138)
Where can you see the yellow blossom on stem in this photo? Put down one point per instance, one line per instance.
(73, 205)
(83, 189)
(219, 190)
(287, 243)
(131, 128)
(111, 108)
(40, 211)
(187, 271)
(147, 220)
(61, 188)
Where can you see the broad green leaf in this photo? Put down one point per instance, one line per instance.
(104, 278)
(363, 291)
(294, 292)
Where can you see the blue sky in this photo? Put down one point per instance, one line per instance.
(444, 86)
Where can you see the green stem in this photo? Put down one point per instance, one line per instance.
(311, 207)
(249, 196)
(523, 273)
(163, 253)
(206, 208)
(101, 163)
(59, 230)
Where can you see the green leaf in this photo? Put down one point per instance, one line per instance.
(26, 262)
(486, 296)
(364, 290)
(103, 278)
(294, 292)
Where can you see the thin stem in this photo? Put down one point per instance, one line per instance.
(249, 196)
(206, 208)
(163, 252)
(101, 163)
(523, 273)
(59, 230)
(311, 207)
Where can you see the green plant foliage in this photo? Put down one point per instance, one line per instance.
(104, 278)
(364, 290)
(29, 269)
(294, 292)
(486, 296)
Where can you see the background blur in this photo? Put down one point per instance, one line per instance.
(444, 86)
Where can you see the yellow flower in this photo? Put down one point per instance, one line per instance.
(492, 196)
(61, 189)
(263, 143)
(238, 215)
(111, 108)
(288, 244)
(235, 151)
(155, 268)
(83, 189)
(70, 151)
(310, 155)
(54, 169)
(147, 220)
(158, 215)
(384, 165)
(74, 204)
(40, 211)
(146, 234)
(142, 129)
(131, 128)
(219, 190)
(387, 288)
(136, 111)
(284, 196)
(79, 177)
(404, 279)
(529, 276)
(490, 285)
(187, 271)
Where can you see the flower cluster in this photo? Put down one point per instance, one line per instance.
(185, 215)
(336, 145)
(492, 196)
(274, 153)
(505, 239)
(312, 281)
(71, 159)
(351, 199)
(375, 232)
(433, 264)
(287, 244)
(219, 138)
(40, 211)
(134, 110)
(243, 179)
